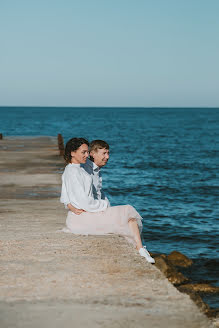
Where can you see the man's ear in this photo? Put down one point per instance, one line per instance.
(92, 153)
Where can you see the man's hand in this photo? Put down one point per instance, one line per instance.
(75, 210)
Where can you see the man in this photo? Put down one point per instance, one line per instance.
(99, 156)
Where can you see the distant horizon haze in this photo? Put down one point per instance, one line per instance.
(114, 107)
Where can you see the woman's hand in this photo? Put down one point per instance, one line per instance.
(75, 210)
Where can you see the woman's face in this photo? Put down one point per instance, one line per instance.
(80, 155)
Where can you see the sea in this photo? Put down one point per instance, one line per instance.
(163, 161)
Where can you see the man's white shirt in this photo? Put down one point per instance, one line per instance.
(94, 171)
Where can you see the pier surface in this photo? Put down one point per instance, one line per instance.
(49, 278)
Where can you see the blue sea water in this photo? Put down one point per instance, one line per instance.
(163, 161)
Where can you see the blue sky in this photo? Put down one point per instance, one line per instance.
(109, 53)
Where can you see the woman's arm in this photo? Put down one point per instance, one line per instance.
(74, 209)
(76, 194)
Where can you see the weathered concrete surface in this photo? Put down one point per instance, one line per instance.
(52, 279)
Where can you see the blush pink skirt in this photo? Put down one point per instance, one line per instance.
(113, 220)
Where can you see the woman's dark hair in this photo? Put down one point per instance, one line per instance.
(72, 145)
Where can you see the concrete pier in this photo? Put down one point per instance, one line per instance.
(53, 279)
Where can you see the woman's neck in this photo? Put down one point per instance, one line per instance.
(74, 162)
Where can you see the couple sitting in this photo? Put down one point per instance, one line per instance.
(89, 210)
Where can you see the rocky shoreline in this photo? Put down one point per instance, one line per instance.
(174, 267)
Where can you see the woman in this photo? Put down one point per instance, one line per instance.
(95, 216)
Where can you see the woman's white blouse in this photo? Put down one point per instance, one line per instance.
(77, 190)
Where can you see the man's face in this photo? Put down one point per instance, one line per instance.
(100, 156)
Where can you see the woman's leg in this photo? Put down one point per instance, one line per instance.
(135, 231)
(142, 250)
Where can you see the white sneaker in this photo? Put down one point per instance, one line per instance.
(143, 252)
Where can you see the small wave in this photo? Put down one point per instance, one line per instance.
(118, 191)
(157, 216)
(210, 190)
(167, 232)
(168, 190)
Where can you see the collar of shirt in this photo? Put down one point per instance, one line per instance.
(73, 164)
(93, 165)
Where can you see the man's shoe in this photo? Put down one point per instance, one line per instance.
(143, 252)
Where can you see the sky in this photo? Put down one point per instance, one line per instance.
(137, 53)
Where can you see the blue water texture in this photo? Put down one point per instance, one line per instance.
(163, 161)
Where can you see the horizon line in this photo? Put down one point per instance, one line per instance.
(165, 107)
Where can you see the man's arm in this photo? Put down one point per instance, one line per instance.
(103, 196)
